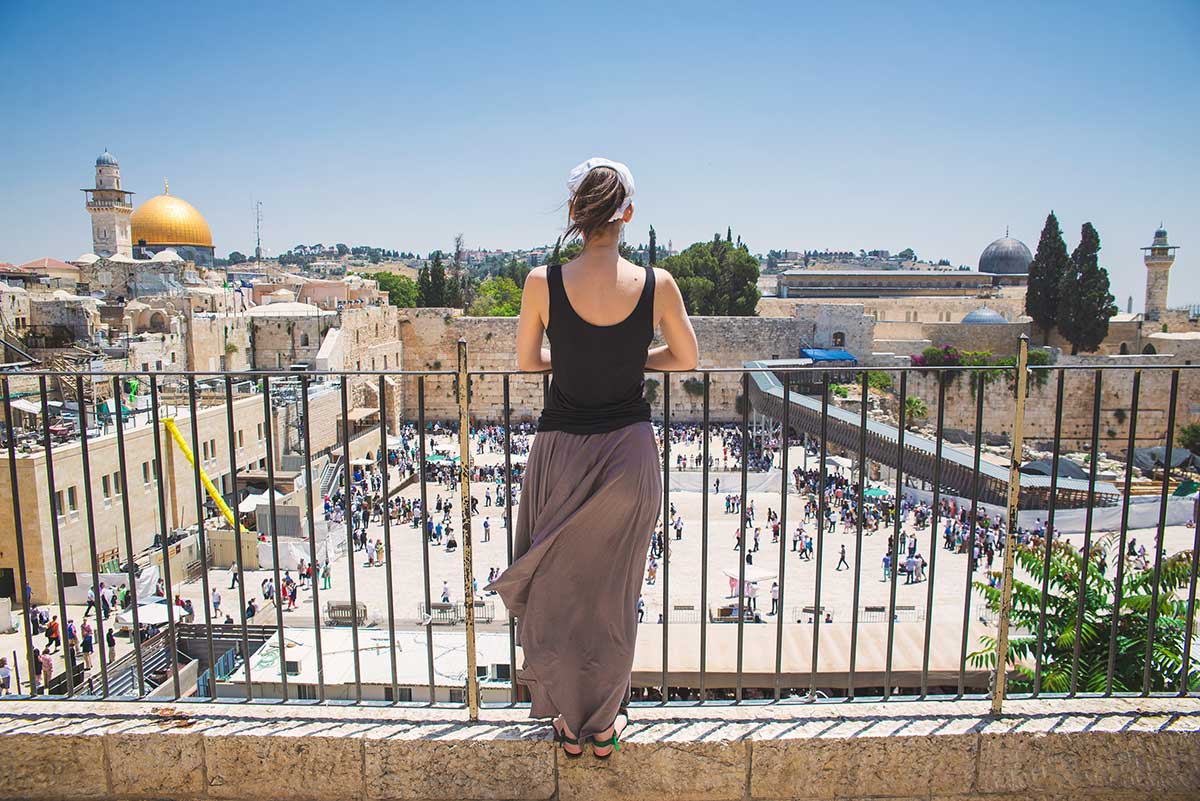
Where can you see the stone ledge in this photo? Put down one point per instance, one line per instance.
(1105, 749)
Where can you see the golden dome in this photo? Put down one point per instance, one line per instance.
(168, 220)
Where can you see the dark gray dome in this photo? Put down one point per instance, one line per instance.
(106, 158)
(1005, 256)
(984, 316)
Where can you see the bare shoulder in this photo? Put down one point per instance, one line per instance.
(537, 274)
(664, 284)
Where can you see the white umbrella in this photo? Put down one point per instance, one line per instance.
(362, 461)
(752, 573)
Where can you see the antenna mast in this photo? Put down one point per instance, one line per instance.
(258, 231)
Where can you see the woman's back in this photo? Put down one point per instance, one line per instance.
(598, 347)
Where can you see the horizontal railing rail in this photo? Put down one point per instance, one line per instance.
(239, 579)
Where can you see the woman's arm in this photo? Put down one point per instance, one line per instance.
(681, 351)
(531, 326)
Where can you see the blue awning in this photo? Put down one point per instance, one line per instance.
(828, 355)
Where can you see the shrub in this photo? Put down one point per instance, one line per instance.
(652, 390)
(693, 386)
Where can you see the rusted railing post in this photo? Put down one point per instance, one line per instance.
(464, 481)
(1010, 539)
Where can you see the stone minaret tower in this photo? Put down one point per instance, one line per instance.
(110, 207)
(1158, 257)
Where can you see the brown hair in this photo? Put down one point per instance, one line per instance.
(598, 198)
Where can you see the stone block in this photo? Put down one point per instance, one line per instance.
(1154, 763)
(837, 767)
(52, 766)
(681, 771)
(152, 763)
(450, 770)
(280, 767)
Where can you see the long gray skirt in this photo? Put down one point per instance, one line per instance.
(589, 503)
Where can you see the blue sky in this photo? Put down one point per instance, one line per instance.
(801, 126)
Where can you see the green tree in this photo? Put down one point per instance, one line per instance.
(497, 297)
(236, 257)
(653, 247)
(437, 282)
(556, 256)
(402, 290)
(716, 278)
(915, 410)
(1086, 304)
(1189, 437)
(1046, 272)
(1099, 599)
(424, 289)
(342, 250)
(729, 234)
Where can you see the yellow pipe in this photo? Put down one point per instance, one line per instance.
(169, 424)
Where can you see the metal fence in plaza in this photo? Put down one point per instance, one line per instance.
(1049, 631)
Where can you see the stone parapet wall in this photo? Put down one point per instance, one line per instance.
(1096, 749)
(1078, 404)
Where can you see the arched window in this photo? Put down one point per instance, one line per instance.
(1149, 350)
(1124, 349)
(839, 339)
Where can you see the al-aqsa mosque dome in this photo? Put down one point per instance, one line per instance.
(166, 222)
(1005, 256)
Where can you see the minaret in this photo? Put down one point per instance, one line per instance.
(110, 207)
(1158, 257)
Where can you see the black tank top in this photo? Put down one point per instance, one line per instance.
(597, 370)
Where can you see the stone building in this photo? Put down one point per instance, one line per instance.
(110, 208)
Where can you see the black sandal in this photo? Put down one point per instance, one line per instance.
(560, 737)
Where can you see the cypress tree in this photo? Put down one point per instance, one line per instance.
(1046, 272)
(423, 290)
(653, 247)
(437, 281)
(729, 235)
(1087, 304)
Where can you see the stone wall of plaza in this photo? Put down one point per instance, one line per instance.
(1009, 301)
(218, 342)
(278, 342)
(1078, 404)
(107, 510)
(431, 337)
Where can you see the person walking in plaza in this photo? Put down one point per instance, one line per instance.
(592, 490)
(842, 563)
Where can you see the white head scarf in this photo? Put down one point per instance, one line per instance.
(580, 172)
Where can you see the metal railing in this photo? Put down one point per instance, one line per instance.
(875, 643)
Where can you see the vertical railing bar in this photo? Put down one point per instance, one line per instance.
(201, 540)
(1052, 507)
(933, 531)
(161, 479)
(1118, 588)
(425, 520)
(19, 532)
(822, 508)
(977, 381)
(896, 528)
(1161, 532)
(387, 539)
(464, 474)
(858, 526)
(1085, 554)
(55, 512)
(741, 606)
(1010, 538)
(133, 606)
(306, 440)
(666, 531)
(348, 489)
(237, 533)
(704, 544)
(85, 456)
(508, 535)
(783, 532)
(1185, 666)
(268, 428)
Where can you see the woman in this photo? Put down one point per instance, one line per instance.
(592, 489)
